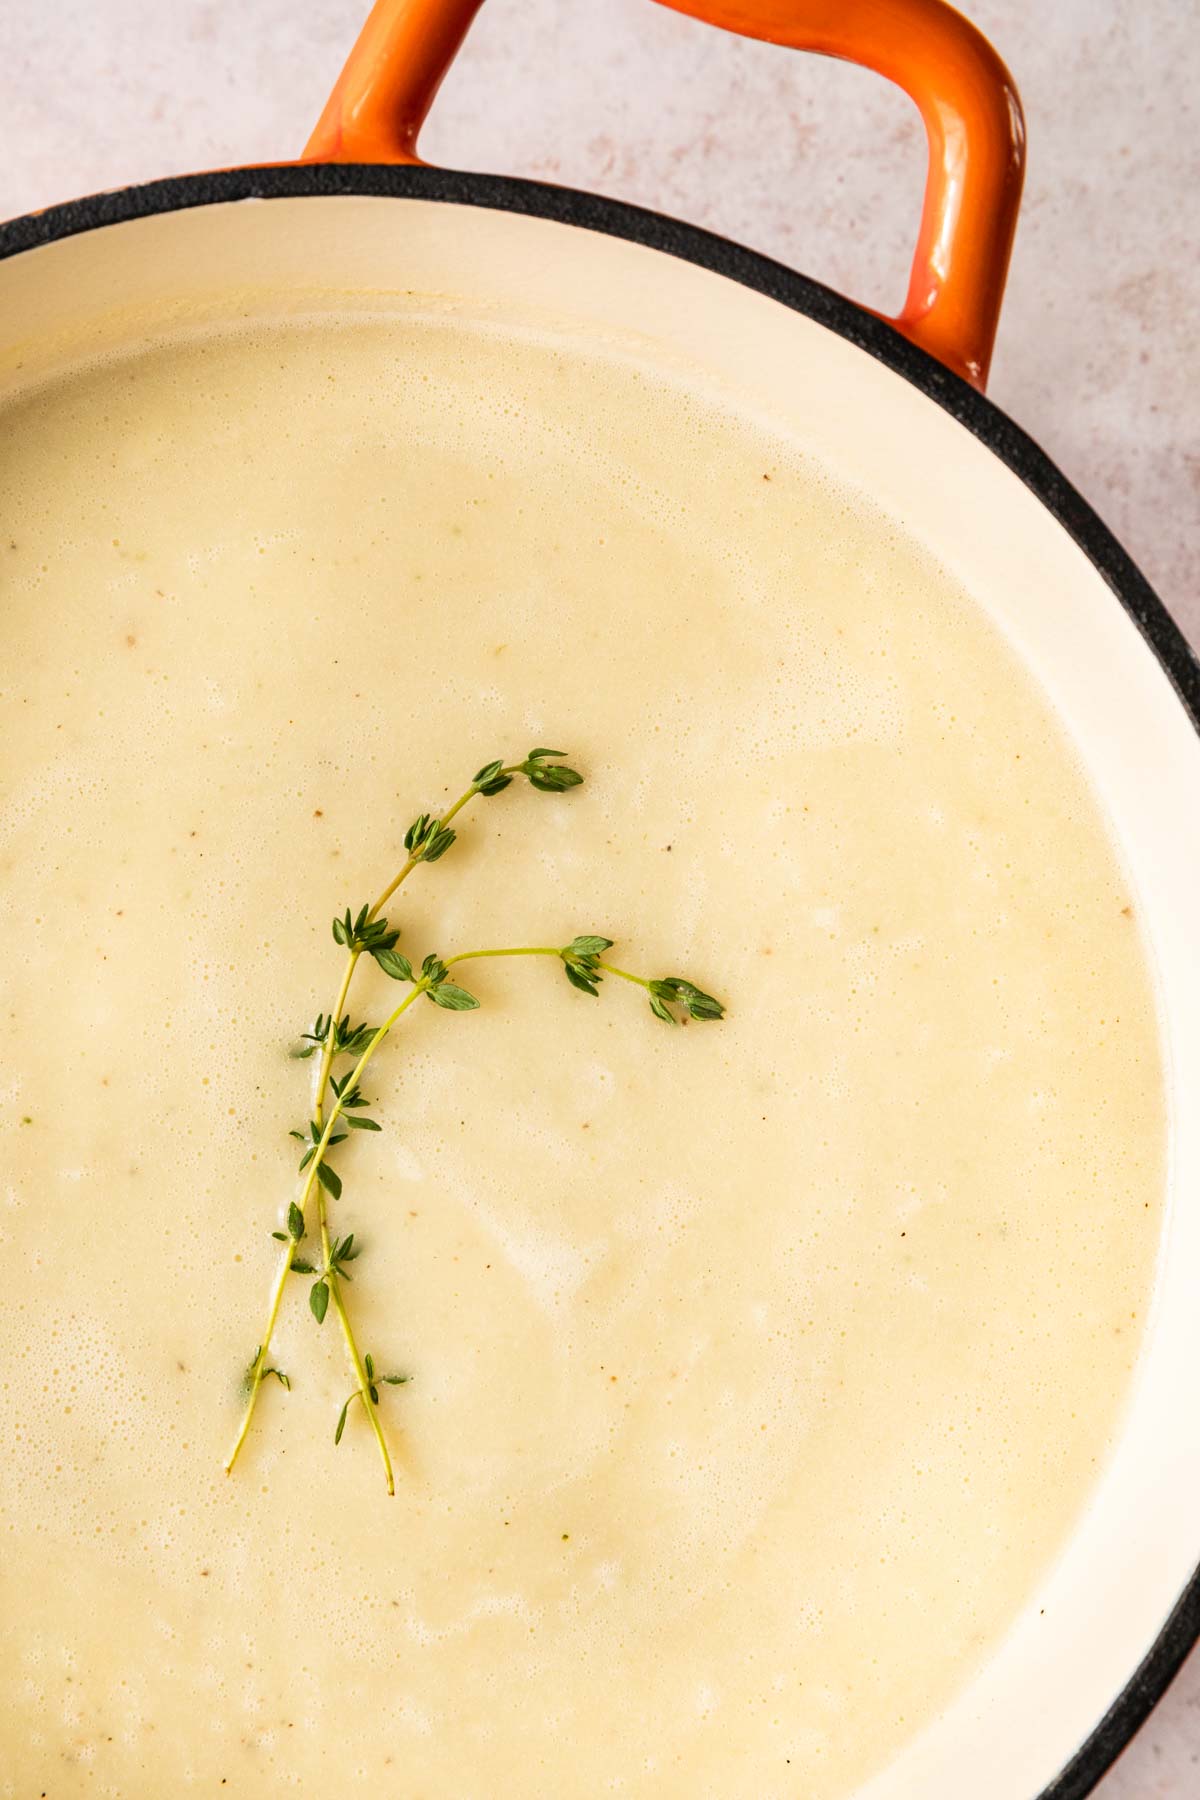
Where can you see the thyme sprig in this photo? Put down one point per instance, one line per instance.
(339, 1105)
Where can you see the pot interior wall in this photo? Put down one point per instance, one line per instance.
(1082, 1636)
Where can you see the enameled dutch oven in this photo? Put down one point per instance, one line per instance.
(895, 407)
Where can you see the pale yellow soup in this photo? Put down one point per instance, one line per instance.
(759, 1369)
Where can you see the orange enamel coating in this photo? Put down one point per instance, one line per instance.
(967, 99)
(976, 134)
(381, 97)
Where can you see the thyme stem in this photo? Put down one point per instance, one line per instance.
(374, 911)
(612, 969)
(327, 1052)
(321, 1084)
(255, 1373)
(451, 813)
(352, 1350)
(520, 950)
(255, 1376)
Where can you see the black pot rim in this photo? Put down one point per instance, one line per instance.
(1014, 448)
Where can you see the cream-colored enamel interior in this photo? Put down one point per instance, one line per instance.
(761, 1372)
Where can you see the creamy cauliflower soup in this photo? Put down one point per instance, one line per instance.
(756, 1369)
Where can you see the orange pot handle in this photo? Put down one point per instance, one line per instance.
(966, 95)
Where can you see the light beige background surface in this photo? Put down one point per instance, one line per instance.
(818, 164)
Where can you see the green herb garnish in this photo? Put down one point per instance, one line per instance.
(340, 1106)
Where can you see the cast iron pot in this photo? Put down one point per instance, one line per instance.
(896, 408)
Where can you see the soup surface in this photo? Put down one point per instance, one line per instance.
(757, 1369)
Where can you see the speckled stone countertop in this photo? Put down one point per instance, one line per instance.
(819, 164)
